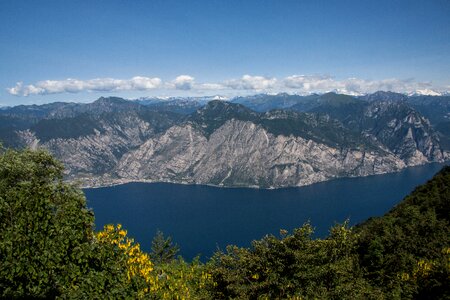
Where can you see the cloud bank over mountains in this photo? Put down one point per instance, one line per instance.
(70, 85)
(299, 84)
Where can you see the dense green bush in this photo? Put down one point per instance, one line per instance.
(293, 266)
(414, 233)
(45, 228)
(48, 248)
(163, 249)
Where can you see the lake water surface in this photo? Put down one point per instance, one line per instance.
(202, 218)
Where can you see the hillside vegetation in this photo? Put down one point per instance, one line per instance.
(48, 249)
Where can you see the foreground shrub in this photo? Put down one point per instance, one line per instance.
(48, 248)
(293, 266)
(45, 227)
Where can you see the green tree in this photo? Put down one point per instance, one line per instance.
(395, 248)
(45, 227)
(293, 266)
(163, 249)
(48, 248)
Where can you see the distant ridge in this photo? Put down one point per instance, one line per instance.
(263, 140)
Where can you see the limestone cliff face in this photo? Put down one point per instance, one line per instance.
(403, 131)
(98, 153)
(241, 153)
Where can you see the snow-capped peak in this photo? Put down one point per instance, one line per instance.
(425, 92)
(217, 97)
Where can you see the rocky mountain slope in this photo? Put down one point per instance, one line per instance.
(113, 140)
(434, 108)
(393, 125)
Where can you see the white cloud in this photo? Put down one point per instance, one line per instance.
(248, 82)
(16, 90)
(300, 84)
(210, 86)
(75, 86)
(307, 83)
(352, 86)
(143, 83)
(183, 82)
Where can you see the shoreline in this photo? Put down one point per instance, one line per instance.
(121, 181)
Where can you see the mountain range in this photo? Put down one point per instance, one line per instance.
(266, 141)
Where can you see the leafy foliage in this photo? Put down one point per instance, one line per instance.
(293, 266)
(178, 279)
(45, 227)
(48, 247)
(163, 250)
(414, 234)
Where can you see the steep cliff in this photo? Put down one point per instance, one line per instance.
(241, 153)
(227, 144)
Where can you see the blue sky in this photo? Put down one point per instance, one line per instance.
(81, 50)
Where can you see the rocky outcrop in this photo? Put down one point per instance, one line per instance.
(244, 154)
(98, 153)
(403, 131)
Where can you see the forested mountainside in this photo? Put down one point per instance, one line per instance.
(50, 250)
(301, 140)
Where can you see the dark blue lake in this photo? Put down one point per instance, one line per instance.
(202, 218)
